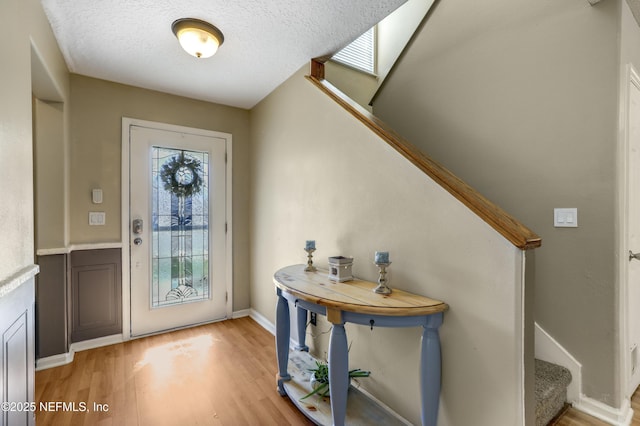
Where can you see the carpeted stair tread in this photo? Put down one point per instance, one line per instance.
(550, 389)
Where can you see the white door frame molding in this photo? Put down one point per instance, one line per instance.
(126, 267)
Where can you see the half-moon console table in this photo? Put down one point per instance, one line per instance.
(355, 302)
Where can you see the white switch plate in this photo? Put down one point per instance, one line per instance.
(97, 218)
(565, 218)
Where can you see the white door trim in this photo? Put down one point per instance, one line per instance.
(126, 267)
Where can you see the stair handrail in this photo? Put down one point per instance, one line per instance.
(501, 221)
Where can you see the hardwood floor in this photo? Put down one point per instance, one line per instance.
(216, 374)
(573, 417)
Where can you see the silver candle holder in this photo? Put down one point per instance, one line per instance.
(310, 267)
(382, 287)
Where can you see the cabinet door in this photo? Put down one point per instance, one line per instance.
(96, 294)
(17, 354)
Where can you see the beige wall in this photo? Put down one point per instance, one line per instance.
(358, 85)
(395, 31)
(519, 99)
(50, 168)
(22, 25)
(96, 120)
(318, 173)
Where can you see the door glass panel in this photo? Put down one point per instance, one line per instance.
(180, 227)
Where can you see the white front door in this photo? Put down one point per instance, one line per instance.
(177, 229)
(633, 234)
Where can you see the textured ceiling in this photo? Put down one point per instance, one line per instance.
(266, 41)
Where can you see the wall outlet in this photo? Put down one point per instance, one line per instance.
(314, 318)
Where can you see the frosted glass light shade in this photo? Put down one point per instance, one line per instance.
(198, 38)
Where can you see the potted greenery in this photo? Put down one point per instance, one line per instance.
(320, 379)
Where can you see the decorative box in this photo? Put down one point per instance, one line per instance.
(340, 268)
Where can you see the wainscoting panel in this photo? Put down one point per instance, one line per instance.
(96, 293)
(51, 306)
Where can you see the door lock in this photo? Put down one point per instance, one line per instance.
(136, 226)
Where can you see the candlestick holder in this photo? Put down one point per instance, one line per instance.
(382, 288)
(310, 267)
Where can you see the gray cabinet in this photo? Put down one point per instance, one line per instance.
(96, 293)
(17, 355)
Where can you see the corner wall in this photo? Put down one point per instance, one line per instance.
(519, 99)
(22, 25)
(318, 173)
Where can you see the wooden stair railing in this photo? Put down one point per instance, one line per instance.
(505, 224)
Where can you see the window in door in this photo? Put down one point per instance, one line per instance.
(180, 217)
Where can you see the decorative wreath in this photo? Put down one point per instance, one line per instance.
(181, 175)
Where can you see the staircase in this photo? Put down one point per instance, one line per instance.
(551, 390)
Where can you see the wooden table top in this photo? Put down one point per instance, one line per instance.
(352, 296)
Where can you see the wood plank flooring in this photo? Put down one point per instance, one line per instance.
(216, 374)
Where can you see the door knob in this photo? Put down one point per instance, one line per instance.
(633, 255)
(137, 241)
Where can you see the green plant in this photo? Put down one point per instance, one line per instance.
(321, 375)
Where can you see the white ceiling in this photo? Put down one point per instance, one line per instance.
(266, 41)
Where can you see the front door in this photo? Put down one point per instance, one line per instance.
(177, 229)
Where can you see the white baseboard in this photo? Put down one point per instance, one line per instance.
(615, 416)
(548, 349)
(263, 321)
(54, 361)
(241, 314)
(67, 358)
(96, 343)
(270, 327)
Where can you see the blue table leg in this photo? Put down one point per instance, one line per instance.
(430, 370)
(302, 329)
(282, 340)
(338, 373)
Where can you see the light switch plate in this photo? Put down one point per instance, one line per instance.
(565, 217)
(97, 218)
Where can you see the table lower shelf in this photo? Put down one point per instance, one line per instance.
(361, 410)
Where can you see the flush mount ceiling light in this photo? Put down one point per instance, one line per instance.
(198, 38)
